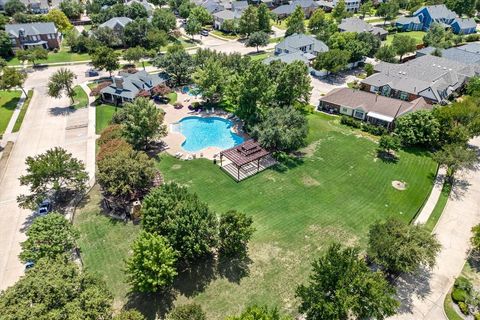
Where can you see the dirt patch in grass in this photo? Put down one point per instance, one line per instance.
(176, 166)
(310, 182)
(399, 185)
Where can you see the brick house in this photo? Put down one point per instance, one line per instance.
(31, 35)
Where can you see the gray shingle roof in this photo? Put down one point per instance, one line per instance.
(134, 83)
(438, 12)
(358, 25)
(465, 23)
(370, 102)
(227, 14)
(30, 29)
(296, 41)
(289, 57)
(458, 54)
(408, 20)
(120, 21)
(441, 75)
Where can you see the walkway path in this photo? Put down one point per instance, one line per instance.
(433, 198)
(423, 295)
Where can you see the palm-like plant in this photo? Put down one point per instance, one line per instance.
(60, 82)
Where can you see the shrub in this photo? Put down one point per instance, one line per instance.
(375, 130)
(476, 316)
(351, 122)
(472, 37)
(459, 295)
(463, 307)
(463, 284)
(113, 147)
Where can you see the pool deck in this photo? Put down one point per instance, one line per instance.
(174, 139)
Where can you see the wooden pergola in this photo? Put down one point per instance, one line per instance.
(247, 159)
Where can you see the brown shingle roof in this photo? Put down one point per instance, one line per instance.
(244, 153)
(371, 102)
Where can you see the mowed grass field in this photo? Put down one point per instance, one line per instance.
(417, 35)
(103, 114)
(8, 103)
(333, 193)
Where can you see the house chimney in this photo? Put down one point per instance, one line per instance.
(118, 82)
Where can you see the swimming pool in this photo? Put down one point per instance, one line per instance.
(201, 133)
(192, 91)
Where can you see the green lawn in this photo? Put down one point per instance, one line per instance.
(438, 210)
(225, 35)
(81, 98)
(259, 56)
(103, 114)
(172, 97)
(23, 111)
(333, 193)
(417, 35)
(8, 103)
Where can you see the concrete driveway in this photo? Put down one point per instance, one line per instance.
(48, 123)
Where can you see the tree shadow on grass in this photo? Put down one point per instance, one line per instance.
(411, 285)
(151, 305)
(190, 281)
(289, 162)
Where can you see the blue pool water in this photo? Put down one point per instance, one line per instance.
(201, 133)
(191, 91)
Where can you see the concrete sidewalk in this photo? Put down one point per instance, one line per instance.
(422, 296)
(433, 197)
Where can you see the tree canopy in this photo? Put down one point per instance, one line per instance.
(400, 247)
(49, 236)
(143, 123)
(61, 81)
(104, 58)
(54, 174)
(152, 264)
(55, 290)
(341, 286)
(283, 129)
(190, 311)
(296, 22)
(256, 312)
(418, 128)
(188, 224)
(456, 157)
(403, 44)
(235, 230)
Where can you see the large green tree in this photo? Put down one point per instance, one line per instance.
(201, 15)
(32, 55)
(5, 45)
(264, 17)
(143, 123)
(60, 82)
(125, 174)
(135, 54)
(403, 44)
(283, 129)
(211, 79)
(73, 9)
(188, 224)
(386, 53)
(334, 60)
(104, 58)
(152, 264)
(462, 7)
(49, 236)
(192, 27)
(178, 64)
(130, 314)
(296, 22)
(342, 286)
(248, 23)
(235, 230)
(399, 247)
(13, 6)
(418, 128)
(164, 19)
(456, 157)
(293, 85)
(437, 36)
(340, 11)
(12, 78)
(55, 290)
(136, 33)
(56, 174)
(321, 25)
(388, 10)
(256, 39)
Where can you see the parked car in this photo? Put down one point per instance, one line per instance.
(44, 207)
(91, 73)
(204, 33)
(29, 265)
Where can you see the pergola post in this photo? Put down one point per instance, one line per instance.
(258, 165)
(221, 158)
(238, 173)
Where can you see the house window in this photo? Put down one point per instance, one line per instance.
(403, 96)
(359, 114)
(386, 91)
(373, 89)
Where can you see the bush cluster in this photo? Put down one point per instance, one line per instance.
(367, 127)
